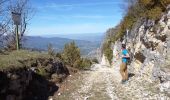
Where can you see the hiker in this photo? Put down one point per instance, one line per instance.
(123, 66)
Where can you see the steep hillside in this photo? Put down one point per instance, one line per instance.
(136, 13)
(148, 43)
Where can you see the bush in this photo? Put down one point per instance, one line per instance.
(108, 51)
(78, 64)
(95, 60)
(51, 50)
(165, 3)
(86, 63)
(42, 72)
(154, 13)
(109, 54)
(83, 63)
(59, 55)
(71, 54)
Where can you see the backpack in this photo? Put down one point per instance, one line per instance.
(129, 60)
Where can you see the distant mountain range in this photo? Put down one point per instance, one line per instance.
(41, 43)
(85, 36)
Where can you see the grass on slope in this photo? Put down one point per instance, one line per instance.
(14, 58)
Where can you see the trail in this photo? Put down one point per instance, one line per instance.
(103, 83)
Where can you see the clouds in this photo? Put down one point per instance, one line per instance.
(56, 5)
(68, 6)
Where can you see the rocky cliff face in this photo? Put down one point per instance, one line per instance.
(149, 46)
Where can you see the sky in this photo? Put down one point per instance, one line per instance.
(74, 16)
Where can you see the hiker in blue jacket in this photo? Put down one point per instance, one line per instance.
(123, 66)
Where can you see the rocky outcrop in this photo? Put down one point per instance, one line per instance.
(35, 81)
(148, 44)
(104, 61)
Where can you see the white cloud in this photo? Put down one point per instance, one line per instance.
(67, 7)
(55, 5)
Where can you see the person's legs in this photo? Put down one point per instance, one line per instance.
(122, 69)
(126, 72)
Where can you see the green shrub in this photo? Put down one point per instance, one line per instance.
(95, 60)
(86, 63)
(71, 54)
(83, 63)
(51, 50)
(109, 54)
(42, 72)
(165, 3)
(59, 55)
(108, 51)
(78, 64)
(154, 13)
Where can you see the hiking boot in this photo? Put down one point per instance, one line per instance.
(123, 81)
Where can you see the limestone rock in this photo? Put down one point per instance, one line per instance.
(165, 87)
(150, 48)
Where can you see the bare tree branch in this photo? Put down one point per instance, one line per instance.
(7, 29)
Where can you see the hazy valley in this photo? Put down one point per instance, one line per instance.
(86, 43)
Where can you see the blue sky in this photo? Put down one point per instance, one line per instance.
(74, 16)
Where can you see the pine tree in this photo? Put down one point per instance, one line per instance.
(71, 54)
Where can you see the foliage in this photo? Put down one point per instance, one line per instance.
(71, 53)
(15, 59)
(86, 63)
(165, 3)
(95, 60)
(58, 55)
(71, 56)
(136, 10)
(83, 63)
(153, 8)
(42, 72)
(108, 51)
(154, 13)
(7, 30)
(146, 2)
(51, 50)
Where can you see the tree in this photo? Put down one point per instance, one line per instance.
(71, 54)
(51, 49)
(3, 22)
(19, 6)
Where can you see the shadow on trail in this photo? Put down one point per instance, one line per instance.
(131, 75)
(23, 85)
(35, 82)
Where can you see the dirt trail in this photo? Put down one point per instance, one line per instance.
(103, 83)
(97, 83)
